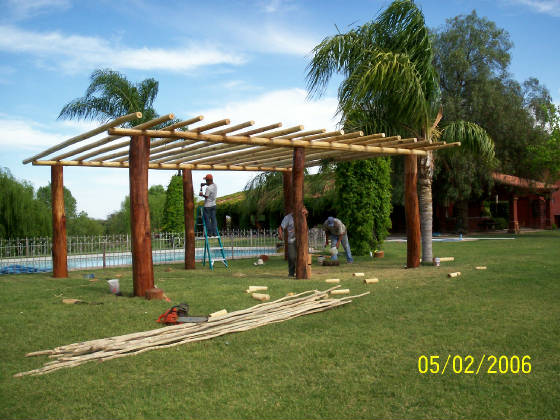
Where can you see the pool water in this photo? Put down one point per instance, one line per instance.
(116, 259)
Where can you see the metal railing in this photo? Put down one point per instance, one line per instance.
(115, 250)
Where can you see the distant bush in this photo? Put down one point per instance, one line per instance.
(500, 223)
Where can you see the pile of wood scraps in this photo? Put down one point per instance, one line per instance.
(280, 310)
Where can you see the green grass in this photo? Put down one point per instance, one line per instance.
(358, 361)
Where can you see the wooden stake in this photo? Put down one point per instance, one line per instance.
(340, 292)
(260, 296)
(252, 289)
(371, 281)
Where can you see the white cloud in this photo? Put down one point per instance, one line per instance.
(288, 106)
(273, 39)
(549, 7)
(28, 135)
(24, 134)
(22, 9)
(273, 6)
(75, 52)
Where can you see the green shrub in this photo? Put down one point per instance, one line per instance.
(500, 222)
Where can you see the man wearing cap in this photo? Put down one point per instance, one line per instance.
(209, 209)
(288, 228)
(336, 232)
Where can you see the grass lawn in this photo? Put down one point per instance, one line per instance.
(357, 361)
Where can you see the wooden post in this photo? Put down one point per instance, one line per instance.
(188, 204)
(300, 218)
(142, 265)
(542, 213)
(548, 214)
(287, 184)
(513, 221)
(412, 212)
(59, 245)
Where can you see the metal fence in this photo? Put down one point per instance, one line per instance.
(103, 251)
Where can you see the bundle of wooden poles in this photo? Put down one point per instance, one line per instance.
(104, 349)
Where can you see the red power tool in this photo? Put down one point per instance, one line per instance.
(179, 314)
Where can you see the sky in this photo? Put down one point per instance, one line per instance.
(243, 60)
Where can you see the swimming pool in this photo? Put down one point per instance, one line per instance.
(119, 259)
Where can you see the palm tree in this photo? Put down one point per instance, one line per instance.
(110, 95)
(390, 84)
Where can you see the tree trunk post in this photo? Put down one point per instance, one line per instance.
(59, 245)
(142, 264)
(425, 177)
(188, 203)
(412, 212)
(300, 219)
(287, 184)
(513, 221)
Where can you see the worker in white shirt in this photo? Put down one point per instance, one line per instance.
(209, 209)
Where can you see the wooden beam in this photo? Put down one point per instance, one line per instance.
(211, 150)
(324, 135)
(162, 166)
(260, 129)
(303, 134)
(278, 133)
(87, 135)
(234, 128)
(184, 148)
(267, 142)
(211, 126)
(59, 242)
(158, 152)
(108, 139)
(233, 157)
(443, 146)
(412, 212)
(188, 205)
(142, 264)
(299, 214)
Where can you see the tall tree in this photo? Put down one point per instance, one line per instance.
(21, 214)
(365, 207)
(390, 83)
(70, 203)
(110, 95)
(156, 200)
(173, 210)
(472, 56)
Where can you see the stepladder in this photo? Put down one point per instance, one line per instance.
(213, 247)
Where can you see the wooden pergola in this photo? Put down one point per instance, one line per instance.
(218, 146)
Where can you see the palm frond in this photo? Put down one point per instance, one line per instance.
(387, 77)
(472, 137)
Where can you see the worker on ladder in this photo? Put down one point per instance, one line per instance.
(209, 210)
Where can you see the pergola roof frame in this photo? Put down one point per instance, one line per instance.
(225, 148)
(268, 148)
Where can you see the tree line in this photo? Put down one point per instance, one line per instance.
(26, 212)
